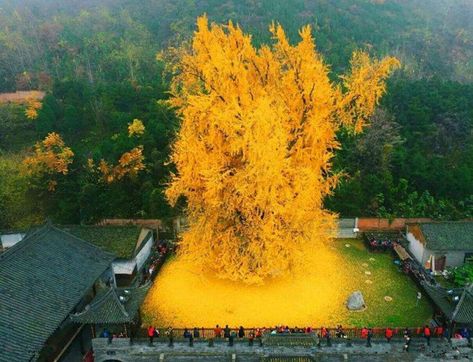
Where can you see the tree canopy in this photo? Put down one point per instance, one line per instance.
(253, 153)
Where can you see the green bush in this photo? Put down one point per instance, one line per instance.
(463, 275)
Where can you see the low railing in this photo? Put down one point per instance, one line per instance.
(350, 333)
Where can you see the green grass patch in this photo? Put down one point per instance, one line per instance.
(386, 279)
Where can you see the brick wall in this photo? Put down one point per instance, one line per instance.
(365, 224)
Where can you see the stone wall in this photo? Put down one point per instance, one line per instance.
(150, 223)
(120, 350)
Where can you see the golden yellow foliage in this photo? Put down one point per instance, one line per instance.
(254, 150)
(136, 128)
(130, 163)
(51, 156)
(33, 106)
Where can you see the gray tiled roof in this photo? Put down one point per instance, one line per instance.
(106, 308)
(461, 311)
(449, 235)
(42, 279)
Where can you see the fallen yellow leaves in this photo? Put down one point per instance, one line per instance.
(183, 296)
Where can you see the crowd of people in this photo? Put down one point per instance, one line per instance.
(379, 241)
(158, 255)
(112, 335)
(322, 336)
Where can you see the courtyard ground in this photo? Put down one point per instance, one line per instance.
(386, 279)
(185, 297)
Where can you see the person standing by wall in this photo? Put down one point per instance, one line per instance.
(369, 335)
(427, 334)
(151, 332)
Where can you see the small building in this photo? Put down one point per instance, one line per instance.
(43, 279)
(113, 308)
(437, 245)
(132, 246)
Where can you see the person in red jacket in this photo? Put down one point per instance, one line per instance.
(364, 333)
(323, 332)
(218, 331)
(427, 334)
(388, 334)
(151, 331)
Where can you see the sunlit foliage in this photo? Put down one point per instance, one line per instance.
(130, 163)
(51, 156)
(254, 150)
(32, 108)
(136, 128)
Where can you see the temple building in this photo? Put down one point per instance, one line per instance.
(43, 279)
(437, 245)
(113, 308)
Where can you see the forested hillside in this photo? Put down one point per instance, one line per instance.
(96, 61)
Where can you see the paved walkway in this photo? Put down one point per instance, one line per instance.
(121, 350)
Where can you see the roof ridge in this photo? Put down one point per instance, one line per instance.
(143, 286)
(101, 300)
(121, 306)
(459, 304)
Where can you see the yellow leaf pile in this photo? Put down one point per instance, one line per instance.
(254, 150)
(184, 296)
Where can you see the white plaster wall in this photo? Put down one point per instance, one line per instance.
(123, 266)
(455, 258)
(416, 248)
(8, 240)
(144, 253)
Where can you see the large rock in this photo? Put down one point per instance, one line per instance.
(355, 301)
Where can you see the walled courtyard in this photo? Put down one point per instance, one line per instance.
(316, 296)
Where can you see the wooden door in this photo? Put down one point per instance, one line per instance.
(440, 262)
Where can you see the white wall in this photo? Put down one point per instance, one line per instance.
(8, 240)
(417, 249)
(455, 258)
(123, 266)
(144, 253)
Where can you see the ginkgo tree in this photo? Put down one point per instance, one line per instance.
(51, 157)
(254, 150)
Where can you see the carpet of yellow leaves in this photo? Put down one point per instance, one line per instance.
(183, 296)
